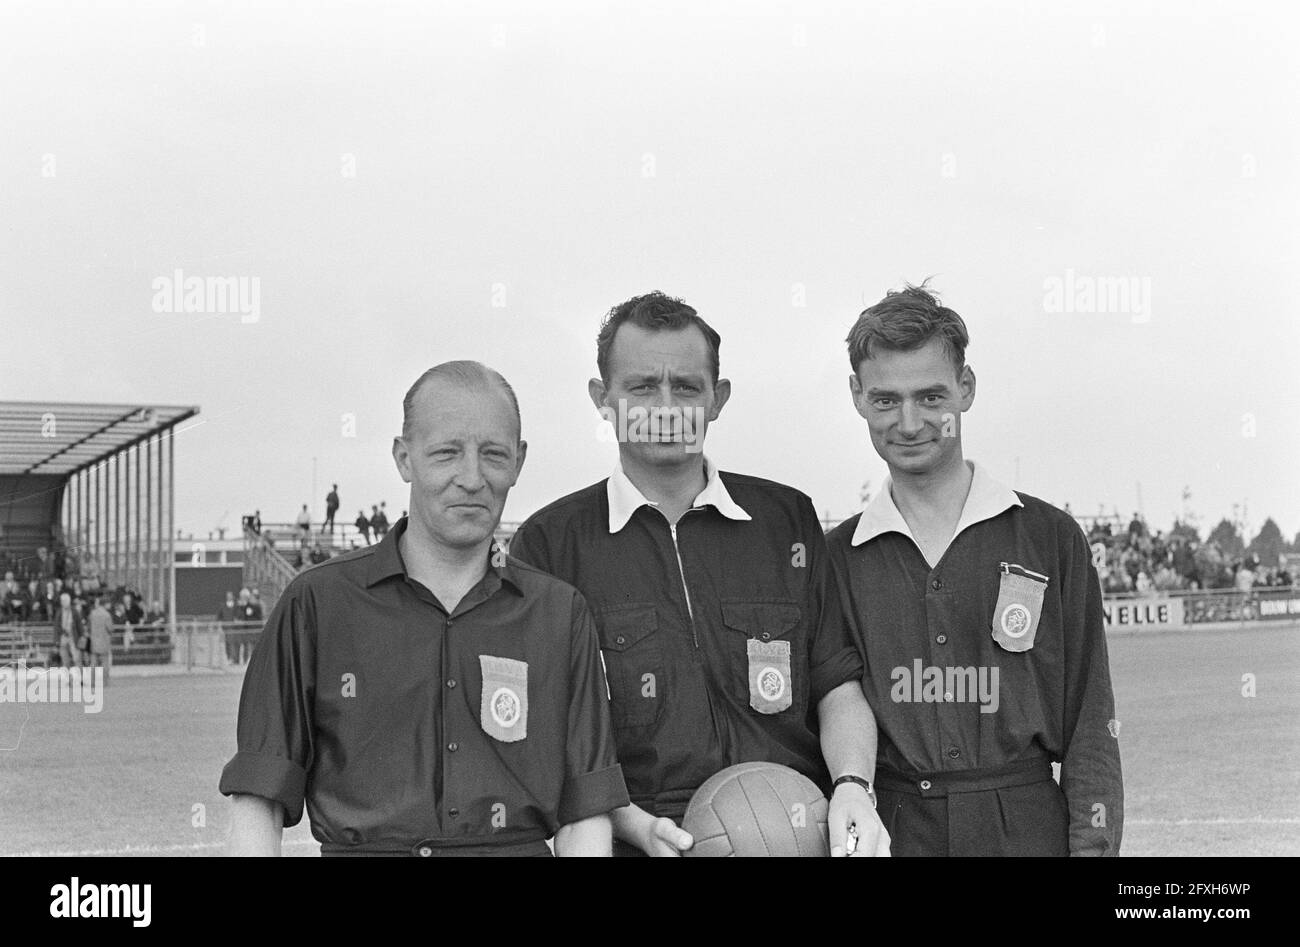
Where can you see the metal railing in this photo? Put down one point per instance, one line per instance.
(192, 643)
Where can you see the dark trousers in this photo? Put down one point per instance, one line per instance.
(1014, 810)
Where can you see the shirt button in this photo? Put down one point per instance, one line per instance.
(453, 812)
(620, 640)
(942, 639)
(936, 585)
(925, 784)
(453, 746)
(425, 851)
(953, 752)
(452, 682)
(765, 636)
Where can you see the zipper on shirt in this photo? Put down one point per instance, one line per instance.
(1021, 570)
(681, 570)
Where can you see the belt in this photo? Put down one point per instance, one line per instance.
(445, 848)
(1020, 773)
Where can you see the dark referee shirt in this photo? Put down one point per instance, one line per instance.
(1054, 699)
(719, 635)
(407, 729)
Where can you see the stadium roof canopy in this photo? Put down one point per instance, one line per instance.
(60, 438)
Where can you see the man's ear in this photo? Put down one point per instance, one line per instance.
(721, 395)
(855, 392)
(402, 457)
(967, 388)
(519, 464)
(596, 391)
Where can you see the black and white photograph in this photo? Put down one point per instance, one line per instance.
(694, 429)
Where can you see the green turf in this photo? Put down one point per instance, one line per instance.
(1207, 771)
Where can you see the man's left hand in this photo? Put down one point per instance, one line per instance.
(851, 807)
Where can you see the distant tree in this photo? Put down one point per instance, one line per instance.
(1227, 538)
(1185, 531)
(1268, 544)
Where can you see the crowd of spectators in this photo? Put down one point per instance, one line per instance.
(313, 546)
(1137, 560)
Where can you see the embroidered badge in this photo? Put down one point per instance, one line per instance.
(1015, 620)
(505, 707)
(770, 683)
(1019, 607)
(503, 701)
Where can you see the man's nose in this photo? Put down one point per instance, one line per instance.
(909, 421)
(469, 474)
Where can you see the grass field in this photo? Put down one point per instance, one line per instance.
(1206, 769)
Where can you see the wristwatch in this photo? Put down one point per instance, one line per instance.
(864, 783)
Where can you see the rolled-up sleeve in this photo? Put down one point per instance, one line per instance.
(274, 730)
(593, 779)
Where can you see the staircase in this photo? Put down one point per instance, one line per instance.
(265, 569)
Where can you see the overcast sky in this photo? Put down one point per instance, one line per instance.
(411, 183)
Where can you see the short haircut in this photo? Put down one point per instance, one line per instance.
(654, 311)
(904, 321)
(467, 374)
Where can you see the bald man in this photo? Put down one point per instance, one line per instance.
(429, 695)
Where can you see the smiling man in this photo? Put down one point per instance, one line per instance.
(430, 695)
(718, 622)
(949, 571)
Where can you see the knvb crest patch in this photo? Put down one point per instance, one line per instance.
(769, 675)
(1019, 607)
(503, 704)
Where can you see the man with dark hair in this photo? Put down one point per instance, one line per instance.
(331, 507)
(718, 621)
(979, 612)
(430, 695)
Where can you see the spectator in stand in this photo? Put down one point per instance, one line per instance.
(1142, 584)
(363, 525)
(255, 607)
(1283, 577)
(247, 610)
(304, 522)
(374, 522)
(36, 610)
(101, 638)
(229, 611)
(69, 630)
(318, 555)
(131, 609)
(331, 507)
(1245, 578)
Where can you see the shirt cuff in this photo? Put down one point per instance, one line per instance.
(592, 794)
(271, 777)
(841, 667)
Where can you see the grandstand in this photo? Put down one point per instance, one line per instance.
(87, 507)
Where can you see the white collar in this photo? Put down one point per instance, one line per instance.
(986, 499)
(625, 499)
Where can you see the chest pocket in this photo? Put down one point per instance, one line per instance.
(767, 655)
(633, 654)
